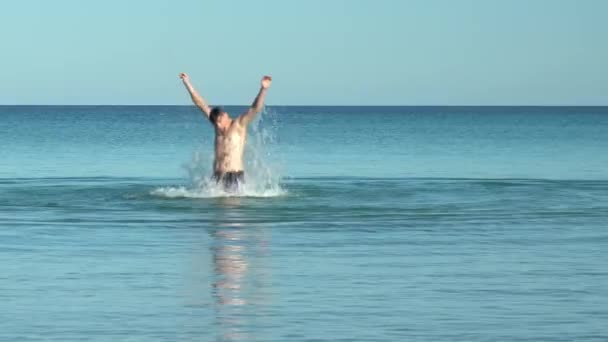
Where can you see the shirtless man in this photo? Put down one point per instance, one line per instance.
(230, 134)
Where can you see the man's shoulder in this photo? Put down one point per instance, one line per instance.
(238, 124)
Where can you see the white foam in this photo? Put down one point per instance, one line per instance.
(214, 190)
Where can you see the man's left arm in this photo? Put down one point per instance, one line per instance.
(258, 103)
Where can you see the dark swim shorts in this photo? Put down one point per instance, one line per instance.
(230, 180)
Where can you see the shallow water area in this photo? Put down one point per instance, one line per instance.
(437, 224)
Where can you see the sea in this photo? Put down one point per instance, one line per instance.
(355, 224)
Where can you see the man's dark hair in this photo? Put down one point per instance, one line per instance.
(215, 112)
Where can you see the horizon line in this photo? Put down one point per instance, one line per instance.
(299, 105)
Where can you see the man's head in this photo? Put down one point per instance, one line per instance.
(218, 116)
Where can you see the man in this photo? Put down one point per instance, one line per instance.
(230, 134)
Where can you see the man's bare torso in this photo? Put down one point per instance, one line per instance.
(229, 148)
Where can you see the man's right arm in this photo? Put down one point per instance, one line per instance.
(196, 98)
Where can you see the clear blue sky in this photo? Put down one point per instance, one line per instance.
(325, 52)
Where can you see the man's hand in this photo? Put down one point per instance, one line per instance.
(266, 81)
(184, 77)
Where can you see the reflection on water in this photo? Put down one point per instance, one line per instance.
(238, 253)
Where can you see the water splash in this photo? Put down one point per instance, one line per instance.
(262, 167)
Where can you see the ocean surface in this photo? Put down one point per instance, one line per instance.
(356, 224)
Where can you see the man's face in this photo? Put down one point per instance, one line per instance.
(223, 118)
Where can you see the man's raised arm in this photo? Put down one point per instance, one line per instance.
(258, 103)
(196, 98)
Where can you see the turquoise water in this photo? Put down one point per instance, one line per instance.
(359, 223)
